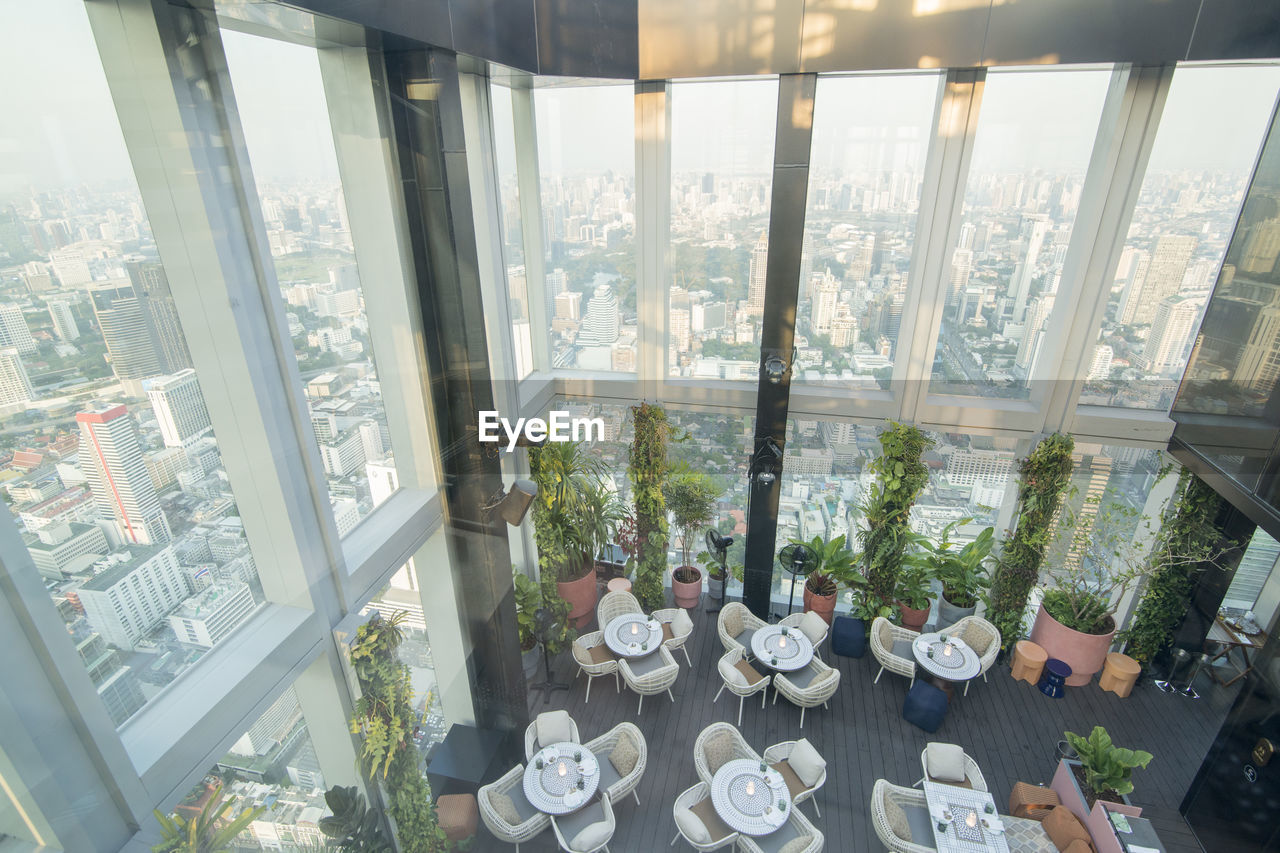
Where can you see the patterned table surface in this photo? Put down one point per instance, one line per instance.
(951, 805)
(960, 664)
(625, 643)
(549, 791)
(792, 652)
(747, 800)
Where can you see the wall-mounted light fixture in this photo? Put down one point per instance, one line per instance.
(512, 506)
(766, 463)
(776, 367)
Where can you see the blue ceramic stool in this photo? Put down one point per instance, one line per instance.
(849, 637)
(925, 706)
(1053, 682)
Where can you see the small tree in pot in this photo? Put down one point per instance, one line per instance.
(962, 571)
(689, 495)
(915, 590)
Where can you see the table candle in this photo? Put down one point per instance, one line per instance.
(635, 627)
(972, 819)
(562, 769)
(751, 788)
(946, 650)
(782, 641)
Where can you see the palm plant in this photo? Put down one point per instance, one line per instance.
(207, 832)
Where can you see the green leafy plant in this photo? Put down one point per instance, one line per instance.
(356, 827)
(528, 600)
(962, 571)
(647, 468)
(915, 585)
(1044, 478)
(1107, 768)
(689, 496)
(832, 561)
(206, 832)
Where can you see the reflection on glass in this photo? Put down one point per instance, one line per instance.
(290, 142)
(1035, 133)
(1210, 130)
(113, 471)
(721, 177)
(504, 155)
(586, 159)
(870, 140)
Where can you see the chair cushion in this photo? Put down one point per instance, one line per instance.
(707, 814)
(744, 638)
(801, 678)
(813, 626)
(646, 664)
(505, 808)
(944, 762)
(733, 622)
(624, 755)
(807, 763)
(592, 835)
(897, 819)
(554, 727)
(731, 674)
(681, 622)
(608, 774)
(794, 783)
(920, 822)
(691, 826)
(977, 637)
(797, 844)
(1063, 827)
(1077, 846)
(667, 633)
(718, 749)
(902, 649)
(601, 654)
(749, 673)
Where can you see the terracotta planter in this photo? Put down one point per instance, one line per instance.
(581, 595)
(913, 619)
(688, 594)
(1084, 653)
(823, 605)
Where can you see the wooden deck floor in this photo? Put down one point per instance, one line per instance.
(1007, 726)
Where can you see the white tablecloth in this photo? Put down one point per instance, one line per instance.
(548, 791)
(755, 813)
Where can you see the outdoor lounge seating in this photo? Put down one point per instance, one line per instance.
(981, 636)
(506, 812)
(736, 624)
(797, 827)
(588, 829)
(901, 818)
(549, 727)
(741, 679)
(649, 675)
(614, 604)
(808, 687)
(594, 658)
(716, 744)
(697, 821)
(950, 765)
(622, 754)
(891, 645)
(813, 626)
(804, 770)
(676, 629)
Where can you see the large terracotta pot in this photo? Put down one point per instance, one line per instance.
(1084, 653)
(823, 605)
(581, 595)
(688, 594)
(913, 619)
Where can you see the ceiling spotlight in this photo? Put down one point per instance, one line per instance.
(512, 506)
(775, 368)
(766, 462)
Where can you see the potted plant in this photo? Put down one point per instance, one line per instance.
(207, 832)
(528, 600)
(689, 496)
(962, 571)
(831, 562)
(355, 827)
(718, 576)
(915, 589)
(1104, 772)
(647, 468)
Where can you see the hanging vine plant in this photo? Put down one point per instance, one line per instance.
(1044, 478)
(384, 716)
(647, 469)
(1187, 540)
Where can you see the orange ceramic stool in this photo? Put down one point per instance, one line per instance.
(1119, 674)
(1028, 661)
(619, 585)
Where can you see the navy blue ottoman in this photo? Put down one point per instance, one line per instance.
(849, 637)
(1053, 682)
(925, 706)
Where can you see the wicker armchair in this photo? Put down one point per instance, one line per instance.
(797, 826)
(503, 800)
(677, 639)
(531, 744)
(594, 658)
(716, 744)
(571, 824)
(981, 636)
(736, 624)
(615, 604)
(741, 679)
(815, 629)
(887, 644)
(626, 739)
(650, 675)
(972, 773)
(779, 753)
(889, 806)
(698, 800)
(808, 687)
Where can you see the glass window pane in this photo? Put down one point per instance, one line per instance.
(586, 160)
(870, 140)
(1213, 123)
(295, 168)
(504, 155)
(721, 178)
(114, 472)
(1035, 134)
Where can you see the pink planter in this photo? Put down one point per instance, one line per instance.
(581, 595)
(1095, 820)
(1084, 653)
(686, 594)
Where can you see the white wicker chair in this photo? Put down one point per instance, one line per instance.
(676, 641)
(574, 822)
(618, 785)
(695, 797)
(594, 658)
(808, 687)
(509, 791)
(972, 773)
(716, 744)
(650, 675)
(780, 752)
(739, 682)
(888, 815)
(797, 826)
(884, 637)
(981, 636)
(817, 637)
(531, 744)
(615, 604)
(736, 624)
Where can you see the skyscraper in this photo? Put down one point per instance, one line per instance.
(13, 329)
(64, 322)
(755, 277)
(1163, 278)
(15, 387)
(127, 333)
(179, 407)
(133, 592)
(1171, 332)
(112, 461)
(1033, 230)
(601, 325)
(152, 285)
(826, 296)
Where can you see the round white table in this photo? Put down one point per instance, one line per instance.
(749, 801)
(784, 653)
(950, 662)
(633, 635)
(550, 791)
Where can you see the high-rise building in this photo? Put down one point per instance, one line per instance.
(112, 461)
(127, 332)
(67, 547)
(179, 407)
(1163, 278)
(1171, 333)
(826, 296)
(1100, 367)
(14, 331)
(132, 593)
(207, 618)
(756, 275)
(601, 326)
(706, 316)
(1034, 228)
(15, 388)
(961, 267)
(64, 322)
(152, 285)
(116, 684)
(680, 337)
